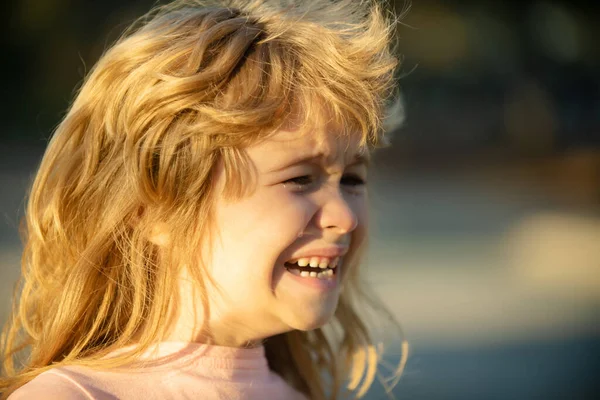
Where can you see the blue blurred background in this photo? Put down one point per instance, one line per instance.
(486, 209)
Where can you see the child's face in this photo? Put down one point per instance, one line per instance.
(315, 207)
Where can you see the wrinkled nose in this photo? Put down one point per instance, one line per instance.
(336, 214)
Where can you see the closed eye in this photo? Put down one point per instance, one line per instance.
(300, 181)
(352, 180)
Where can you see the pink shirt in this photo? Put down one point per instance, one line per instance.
(184, 371)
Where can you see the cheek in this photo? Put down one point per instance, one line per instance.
(269, 216)
(359, 206)
(290, 214)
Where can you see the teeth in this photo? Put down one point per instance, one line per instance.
(317, 262)
(303, 262)
(313, 274)
(324, 267)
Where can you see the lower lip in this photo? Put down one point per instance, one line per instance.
(323, 284)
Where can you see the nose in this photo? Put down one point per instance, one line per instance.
(336, 214)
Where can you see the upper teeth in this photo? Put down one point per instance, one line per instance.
(317, 262)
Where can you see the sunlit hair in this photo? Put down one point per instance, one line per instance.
(187, 88)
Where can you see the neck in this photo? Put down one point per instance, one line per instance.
(196, 321)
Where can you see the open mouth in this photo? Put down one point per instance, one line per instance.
(313, 267)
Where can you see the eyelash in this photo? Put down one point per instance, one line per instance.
(300, 181)
(305, 180)
(355, 180)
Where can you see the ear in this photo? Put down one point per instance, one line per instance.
(160, 235)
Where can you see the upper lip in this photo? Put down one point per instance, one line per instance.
(330, 252)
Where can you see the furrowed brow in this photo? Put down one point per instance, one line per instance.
(299, 161)
(358, 159)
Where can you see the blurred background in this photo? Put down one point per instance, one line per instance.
(486, 209)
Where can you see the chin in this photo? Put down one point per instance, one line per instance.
(312, 326)
(309, 321)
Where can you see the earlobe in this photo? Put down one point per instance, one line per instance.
(160, 235)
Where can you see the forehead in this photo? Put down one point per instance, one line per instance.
(326, 141)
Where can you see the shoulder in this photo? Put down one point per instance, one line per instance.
(71, 382)
(52, 385)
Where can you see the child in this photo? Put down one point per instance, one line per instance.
(195, 225)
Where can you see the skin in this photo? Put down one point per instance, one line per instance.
(296, 207)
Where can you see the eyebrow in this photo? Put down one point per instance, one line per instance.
(358, 159)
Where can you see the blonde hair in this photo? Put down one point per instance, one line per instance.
(190, 85)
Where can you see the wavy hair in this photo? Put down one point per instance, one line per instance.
(188, 86)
